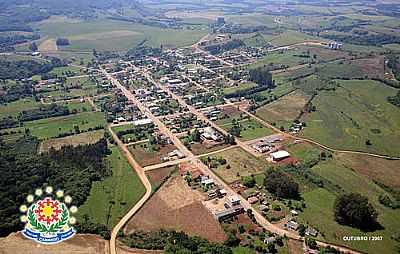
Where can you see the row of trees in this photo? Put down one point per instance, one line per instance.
(174, 242)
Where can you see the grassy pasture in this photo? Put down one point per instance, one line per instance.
(239, 87)
(75, 140)
(241, 163)
(104, 34)
(15, 107)
(284, 110)
(319, 208)
(51, 127)
(289, 37)
(356, 112)
(112, 197)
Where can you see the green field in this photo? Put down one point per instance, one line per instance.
(250, 129)
(285, 110)
(61, 71)
(289, 37)
(51, 127)
(112, 197)
(240, 87)
(105, 34)
(77, 105)
(320, 202)
(241, 163)
(288, 58)
(355, 112)
(15, 107)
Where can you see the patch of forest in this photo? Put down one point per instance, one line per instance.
(22, 170)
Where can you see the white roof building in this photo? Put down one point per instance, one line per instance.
(142, 122)
(279, 155)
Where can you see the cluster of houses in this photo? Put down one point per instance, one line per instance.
(243, 55)
(335, 45)
(267, 144)
(183, 122)
(296, 127)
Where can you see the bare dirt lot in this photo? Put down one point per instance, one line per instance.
(79, 244)
(373, 67)
(295, 247)
(207, 147)
(176, 206)
(157, 176)
(145, 157)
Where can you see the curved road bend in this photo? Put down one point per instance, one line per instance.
(143, 178)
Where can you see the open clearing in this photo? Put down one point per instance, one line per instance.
(111, 198)
(16, 107)
(75, 140)
(241, 163)
(343, 176)
(158, 176)
(80, 244)
(176, 206)
(52, 127)
(105, 34)
(145, 155)
(48, 45)
(376, 169)
(355, 112)
(283, 111)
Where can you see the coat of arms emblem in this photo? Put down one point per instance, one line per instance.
(48, 220)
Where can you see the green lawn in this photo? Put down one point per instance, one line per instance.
(355, 112)
(51, 127)
(250, 129)
(304, 152)
(112, 197)
(240, 87)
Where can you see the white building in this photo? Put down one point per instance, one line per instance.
(279, 155)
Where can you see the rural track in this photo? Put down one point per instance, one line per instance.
(143, 178)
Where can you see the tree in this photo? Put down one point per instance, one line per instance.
(355, 210)
(62, 42)
(248, 181)
(311, 243)
(280, 184)
(33, 46)
(196, 137)
(302, 230)
(261, 76)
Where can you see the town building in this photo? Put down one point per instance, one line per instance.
(279, 155)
